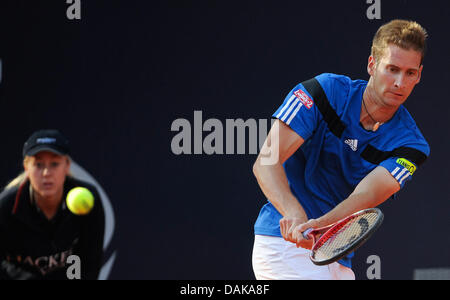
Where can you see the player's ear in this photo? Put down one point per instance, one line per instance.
(68, 162)
(419, 76)
(371, 65)
(26, 161)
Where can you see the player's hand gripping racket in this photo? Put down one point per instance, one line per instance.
(341, 238)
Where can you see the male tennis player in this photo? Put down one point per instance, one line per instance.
(344, 145)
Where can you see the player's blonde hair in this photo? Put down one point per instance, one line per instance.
(402, 33)
(16, 182)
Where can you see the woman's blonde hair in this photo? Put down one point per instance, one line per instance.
(402, 33)
(16, 181)
(22, 177)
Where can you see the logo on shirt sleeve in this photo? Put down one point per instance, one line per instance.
(301, 95)
(407, 164)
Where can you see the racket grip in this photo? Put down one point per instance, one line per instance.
(307, 232)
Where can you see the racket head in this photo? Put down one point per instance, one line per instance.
(346, 236)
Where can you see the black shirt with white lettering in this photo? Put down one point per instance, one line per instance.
(34, 247)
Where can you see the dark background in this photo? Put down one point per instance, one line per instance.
(114, 82)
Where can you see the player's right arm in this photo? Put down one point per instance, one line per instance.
(272, 178)
(297, 120)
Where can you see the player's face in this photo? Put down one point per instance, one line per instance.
(47, 172)
(396, 74)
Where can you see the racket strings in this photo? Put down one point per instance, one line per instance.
(342, 236)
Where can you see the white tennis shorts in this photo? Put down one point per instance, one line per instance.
(276, 259)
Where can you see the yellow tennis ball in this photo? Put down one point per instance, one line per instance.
(80, 201)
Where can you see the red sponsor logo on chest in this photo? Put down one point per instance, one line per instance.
(301, 95)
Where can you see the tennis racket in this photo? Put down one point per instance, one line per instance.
(332, 242)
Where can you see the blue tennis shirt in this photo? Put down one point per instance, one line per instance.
(338, 152)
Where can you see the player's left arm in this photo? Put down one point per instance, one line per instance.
(91, 241)
(378, 186)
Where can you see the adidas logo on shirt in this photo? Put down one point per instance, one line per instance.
(352, 143)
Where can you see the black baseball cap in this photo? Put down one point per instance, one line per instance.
(46, 140)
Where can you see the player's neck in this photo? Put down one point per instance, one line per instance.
(49, 205)
(373, 110)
